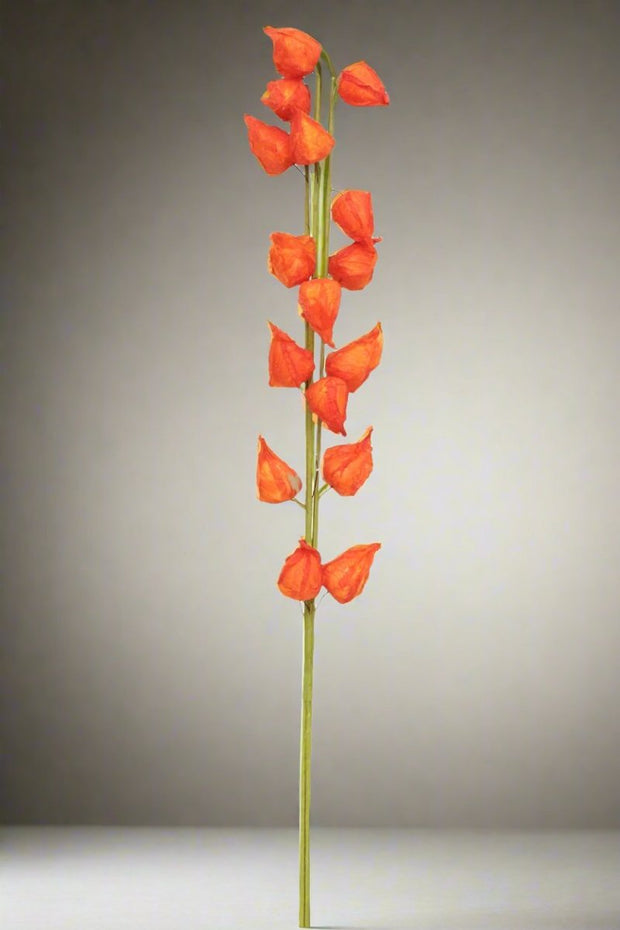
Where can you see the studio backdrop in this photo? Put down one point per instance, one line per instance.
(151, 668)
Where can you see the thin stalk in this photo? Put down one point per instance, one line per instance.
(305, 744)
(316, 210)
(304, 766)
(308, 531)
(325, 57)
(309, 342)
(307, 200)
(322, 360)
(318, 93)
(330, 128)
(324, 199)
(317, 223)
(315, 491)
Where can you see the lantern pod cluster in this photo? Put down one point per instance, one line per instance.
(292, 260)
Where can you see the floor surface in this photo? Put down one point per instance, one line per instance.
(212, 879)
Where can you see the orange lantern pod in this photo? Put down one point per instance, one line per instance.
(270, 144)
(352, 211)
(345, 576)
(361, 86)
(346, 468)
(354, 362)
(289, 364)
(300, 577)
(310, 142)
(286, 96)
(275, 480)
(291, 258)
(353, 266)
(295, 53)
(327, 398)
(319, 301)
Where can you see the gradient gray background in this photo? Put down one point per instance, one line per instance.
(151, 668)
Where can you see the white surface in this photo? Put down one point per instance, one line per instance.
(155, 879)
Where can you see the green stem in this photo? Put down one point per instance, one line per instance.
(307, 200)
(317, 223)
(317, 167)
(322, 360)
(315, 490)
(309, 342)
(329, 64)
(317, 92)
(304, 766)
(331, 116)
(322, 256)
(308, 533)
(311, 219)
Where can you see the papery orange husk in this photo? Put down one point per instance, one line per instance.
(310, 142)
(286, 96)
(345, 576)
(361, 86)
(289, 364)
(300, 577)
(354, 362)
(327, 398)
(319, 301)
(291, 258)
(295, 53)
(275, 480)
(346, 468)
(270, 144)
(353, 266)
(352, 211)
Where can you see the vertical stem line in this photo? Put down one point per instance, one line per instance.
(315, 495)
(317, 167)
(307, 200)
(308, 530)
(304, 766)
(324, 202)
(313, 218)
(317, 220)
